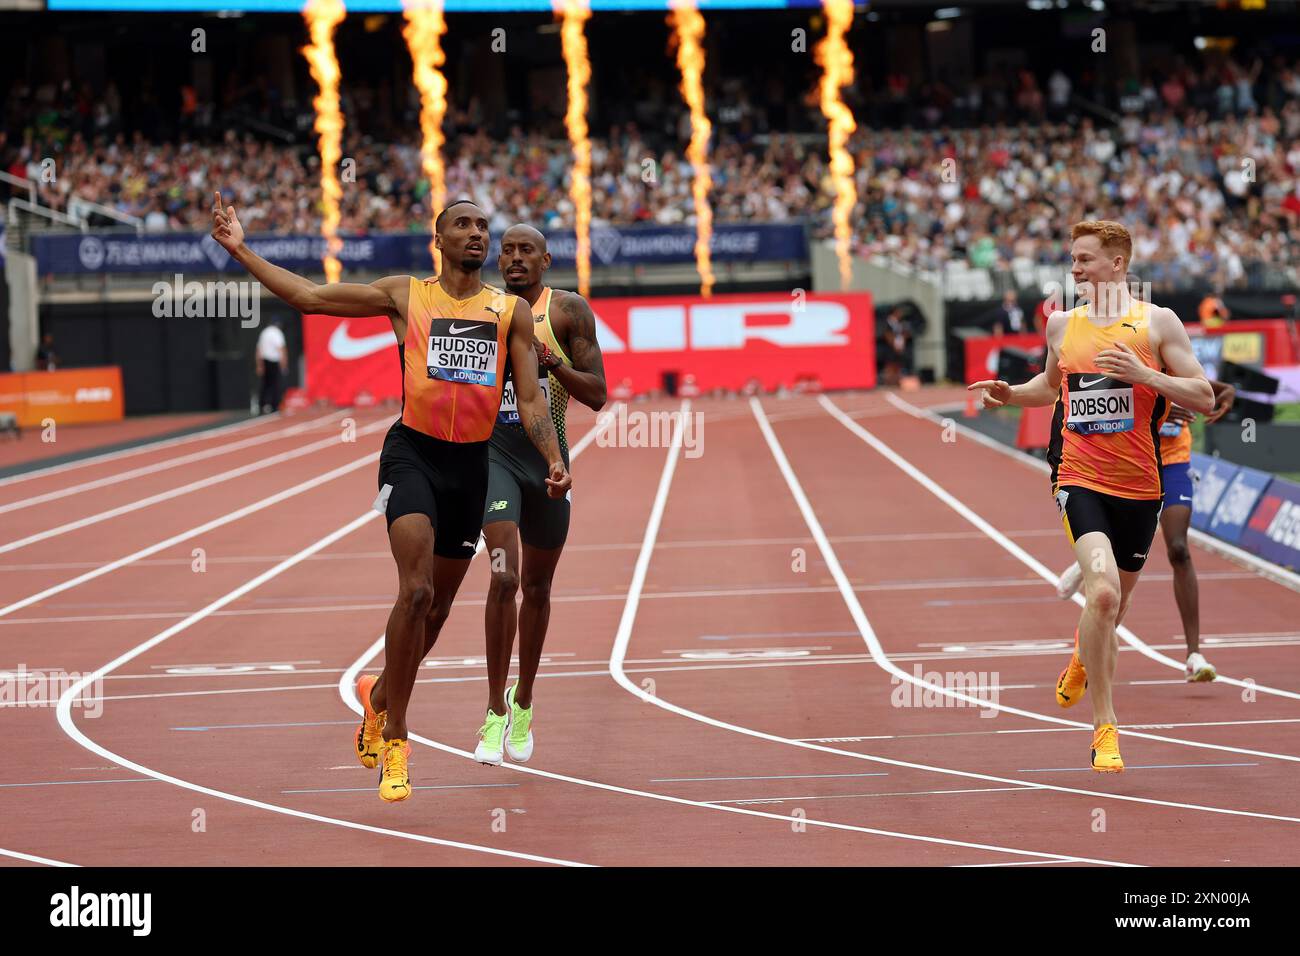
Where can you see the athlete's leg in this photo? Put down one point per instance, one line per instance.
(448, 573)
(411, 540)
(534, 615)
(1174, 522)
(1098, 643)
(501, 615)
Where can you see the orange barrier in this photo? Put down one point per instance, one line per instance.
(67, 397)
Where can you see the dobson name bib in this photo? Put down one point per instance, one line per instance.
(1099, 405)
(461, 351)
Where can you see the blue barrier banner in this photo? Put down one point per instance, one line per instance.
(1273, 531)
(1238, 503)
(405, 252)
(1213, 477)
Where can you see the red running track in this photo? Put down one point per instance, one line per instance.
(70, 439)
(721, 683)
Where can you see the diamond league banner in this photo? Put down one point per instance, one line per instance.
(725, 342)
(200, 253)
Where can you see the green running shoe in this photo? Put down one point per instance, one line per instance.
(519, 738)
(490, 735)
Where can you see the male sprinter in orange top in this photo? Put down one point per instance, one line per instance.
(1175, 520)
(518, 508)
(455, 338)
(1104, 374)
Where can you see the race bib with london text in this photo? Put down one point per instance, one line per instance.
(509, 412)
(463, 351)
(1099, 404)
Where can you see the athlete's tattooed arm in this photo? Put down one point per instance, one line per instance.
(533, 411)
(585, 381)
(386, 296)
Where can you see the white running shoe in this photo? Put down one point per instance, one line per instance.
(1199, 670)
(1071, 578)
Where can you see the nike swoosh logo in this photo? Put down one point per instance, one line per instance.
(1084, 383)
(1184, 498)
(455, 331)
(345, 348)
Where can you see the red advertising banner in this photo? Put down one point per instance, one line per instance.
(725, 342)
(350, 357)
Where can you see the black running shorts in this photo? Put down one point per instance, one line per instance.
(1129, 523)
(517, 476)
(444, 480)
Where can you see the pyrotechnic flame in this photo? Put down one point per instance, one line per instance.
(322, 17)
(689, 24)
(836, 61)
(575, 14)
(425, 25)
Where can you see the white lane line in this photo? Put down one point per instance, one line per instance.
(65, 783)
(292, 723)
(30, 858)
(347, 691)
(1047, 730)
(603, 672)
(137, 450)
(445, 786)
(613, 546)
(930, 485)
(175, 539)
(166, 464)
(972, 866)
(72, 730)
(177, 492)
(855, 796)
(1149, 766)
(618, 654)
(1266, 569)
(882, 660)
(782, 776)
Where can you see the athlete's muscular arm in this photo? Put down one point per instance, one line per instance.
(1186, 385)
(585, 381)
(534, 414)
(386, 296)
(1043, 388)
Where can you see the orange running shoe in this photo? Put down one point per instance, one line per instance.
(370, 735)
(1073, 680)
(1105, 750)
(395, 776)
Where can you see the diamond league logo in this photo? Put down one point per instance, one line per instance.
(91, 253)
(215, 253)
(605, 244)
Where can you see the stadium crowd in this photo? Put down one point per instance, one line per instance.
(1203, 164)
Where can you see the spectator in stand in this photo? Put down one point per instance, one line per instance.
(1010, 318)
(47, 360)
